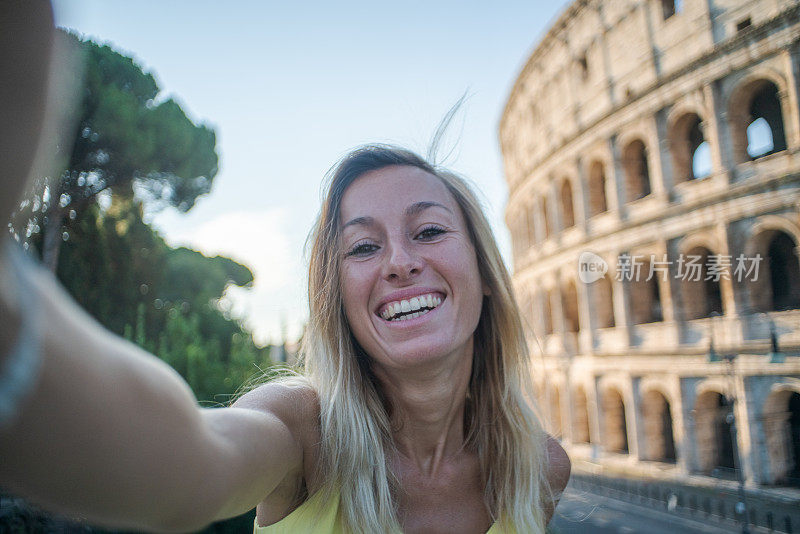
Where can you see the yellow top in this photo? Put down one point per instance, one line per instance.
(316, 517)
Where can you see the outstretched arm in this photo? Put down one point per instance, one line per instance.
(114, 435)
(102, 429)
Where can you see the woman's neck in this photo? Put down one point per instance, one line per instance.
(428, 410)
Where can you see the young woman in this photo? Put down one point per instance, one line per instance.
(412, 410)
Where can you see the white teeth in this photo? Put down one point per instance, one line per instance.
(410, 308)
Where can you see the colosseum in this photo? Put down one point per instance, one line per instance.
(652, 154)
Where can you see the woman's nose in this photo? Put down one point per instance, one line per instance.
(402, 262)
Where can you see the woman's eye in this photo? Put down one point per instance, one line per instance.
(431, 232)
(362, 249)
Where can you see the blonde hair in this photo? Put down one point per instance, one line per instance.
(500, 422)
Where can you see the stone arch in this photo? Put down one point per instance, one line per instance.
(699, 238)
(597, 188)
(713, 432)
(780, 420)
(757, 95)
(580, 422)
(567, 204)
(603, 299)
(686, 136)
(777, 285)
(615, 422)
(636, 167)
(702, 296)
(659, 434)
(569, 305)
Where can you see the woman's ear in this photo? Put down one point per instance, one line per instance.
(486, 291)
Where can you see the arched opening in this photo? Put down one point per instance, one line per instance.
(701, 293)
(555, 412)
(637, 171)
(784, 272)
(597, 189)
(767, 105)
(781, 425)
(569, 303)
(615, 423)
(690, 154)
(567, 211)
(701, 160)
(645, 296)
(759, 138)
(771, 272)
(580, 424)
(546, 218)
(603, 303)
(659, 437)
(756, 120)
(671, 7)
(713, 419)
(794, 444)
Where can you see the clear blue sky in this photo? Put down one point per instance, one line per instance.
(291, 87)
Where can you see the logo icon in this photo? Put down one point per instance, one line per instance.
(591, 267)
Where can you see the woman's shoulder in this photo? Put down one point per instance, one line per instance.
(558, 466)
(293, 401)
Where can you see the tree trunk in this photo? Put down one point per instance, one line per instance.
(51, 240)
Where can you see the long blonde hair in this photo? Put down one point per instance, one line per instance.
(500, 422)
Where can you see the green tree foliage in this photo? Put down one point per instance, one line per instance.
(123, 137)
(163, 299)
(133, 145)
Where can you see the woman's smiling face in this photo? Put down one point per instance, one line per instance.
(411, 286)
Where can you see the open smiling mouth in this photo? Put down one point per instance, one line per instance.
(403, 310)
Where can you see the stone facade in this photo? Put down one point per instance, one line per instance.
(663, 138)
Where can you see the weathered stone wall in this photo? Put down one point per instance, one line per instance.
(626, 135)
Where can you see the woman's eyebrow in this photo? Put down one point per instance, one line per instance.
(413, 209)
(358, 221)
(418, 207)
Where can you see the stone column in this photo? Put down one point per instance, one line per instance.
(665, 154)
(665, 289)
(639, 440)
(726, 282)
(620, 294)
(790, 100)
(617, 196)
(744, 427)
(658, 184)
(711, 129)
(579, 196)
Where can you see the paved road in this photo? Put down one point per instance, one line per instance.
(581, 512)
